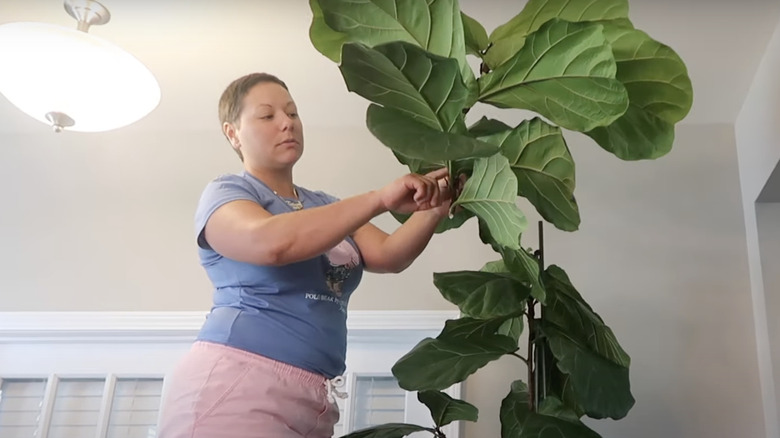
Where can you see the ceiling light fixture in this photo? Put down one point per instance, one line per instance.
(72, 80)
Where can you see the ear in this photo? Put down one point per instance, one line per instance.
(230, 132)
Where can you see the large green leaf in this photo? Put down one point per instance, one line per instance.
(491, 193)
(476, 38)
(472, 328)
(508, 39)
(417, 165)
(559, 386)
(415, 140)
(449, 223)
(517, 420)
(659, 91)
(601, 387)
(436, 364)
(565, 72)
(326, 40)
(485, 127)
(512, 328)
(566, 308)
(525, 268)
(389, 430)
(483, 295)
(403, 76)
(544, 168)
(444, 409)
(436, 26)
(554, 407)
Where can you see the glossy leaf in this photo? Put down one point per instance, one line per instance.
(399, 75)
(415, 140)
(525, 268)
(449, 223)
(466, 327)
(476, 37)
(565, 72)
(485, 127)
(444, 409)
(437, 364)
(567, 309)
(559, 386)
(509, 38)
(517, 420)
(326, 40)
(389, 430)
(544, 168)
(495, 267)
(483, 295)
(512, 328)
(491, 193)
(659, 91)
(601, 387)
(436, 26)
(417, 165)
(553, 407)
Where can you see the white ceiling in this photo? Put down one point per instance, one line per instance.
(195, 47)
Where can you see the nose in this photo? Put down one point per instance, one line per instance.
(286, 122)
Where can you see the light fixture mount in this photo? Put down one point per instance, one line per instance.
(59, 120)
(87, 13)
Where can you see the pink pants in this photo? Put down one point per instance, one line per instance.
(223, 392)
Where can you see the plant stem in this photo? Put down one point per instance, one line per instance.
(530, 363)
(520, 357)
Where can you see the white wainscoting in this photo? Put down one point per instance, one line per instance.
(148, 344)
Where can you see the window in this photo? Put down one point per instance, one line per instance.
(377, 400)
(63, 407)
(20, 407)
(76, 409)
(134, 408)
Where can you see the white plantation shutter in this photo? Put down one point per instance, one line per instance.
(134, 408)
(124, 352)
(76, 409)
(378, 400)
(20, 407)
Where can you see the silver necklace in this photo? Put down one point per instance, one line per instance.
(295, 204)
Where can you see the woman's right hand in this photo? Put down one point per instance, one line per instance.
(414, 192)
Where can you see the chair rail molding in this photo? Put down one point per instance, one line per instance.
(53, 327)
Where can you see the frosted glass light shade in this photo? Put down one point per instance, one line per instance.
(46, 68)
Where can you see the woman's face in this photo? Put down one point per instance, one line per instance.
(269, 132)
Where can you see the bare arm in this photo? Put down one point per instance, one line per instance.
(395, 252)
(384, 253)
(244, 231)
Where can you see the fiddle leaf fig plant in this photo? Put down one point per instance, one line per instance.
(578, 65)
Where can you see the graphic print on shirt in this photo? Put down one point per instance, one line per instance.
(341, 259)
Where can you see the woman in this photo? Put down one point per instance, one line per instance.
(284, 261)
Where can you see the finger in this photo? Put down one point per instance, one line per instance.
(436, 192)
(420, 189)
(438, 173)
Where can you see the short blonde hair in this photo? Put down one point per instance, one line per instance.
(232, 100)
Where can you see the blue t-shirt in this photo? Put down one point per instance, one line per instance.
(294, 313)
